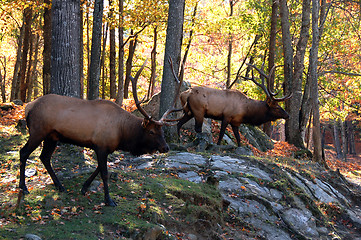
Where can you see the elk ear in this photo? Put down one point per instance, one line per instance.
(145, 122)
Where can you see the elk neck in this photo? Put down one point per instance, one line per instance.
(130, 134)
(257, 113)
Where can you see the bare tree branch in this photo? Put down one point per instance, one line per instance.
(340, 72)
(134, 35)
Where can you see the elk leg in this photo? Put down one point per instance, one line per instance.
(102, 165)
(25, 152)
(186, 117)
(45, 156)
(87, 183)
(198, 124)
(236, 134)
(223, 129)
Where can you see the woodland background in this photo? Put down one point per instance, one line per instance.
(314, 44)
(88, 48)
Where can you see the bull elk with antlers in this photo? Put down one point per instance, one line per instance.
(231, 107)
(98, 124)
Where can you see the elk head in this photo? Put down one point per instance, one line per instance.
(151, 127)
(272, 102)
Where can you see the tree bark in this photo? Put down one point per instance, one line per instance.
(47, 48)
(343, 137)
(292, 125)
(316, 131)
(112, 71)
(28, 15)
(65, 57)
(272, 54)
(102, 60)
(173, 47)
(120, 94)
(336, 138)
(230, 47)
(2, 82)
(34, 46)
(186, 51)
(296, 101)
(87, 46)
(350, 137)
(16, 81)
(153, 64)
(81, 53)
(94, 69)
(129, 65)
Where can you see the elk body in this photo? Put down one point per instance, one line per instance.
(98, 124)
(231, 107)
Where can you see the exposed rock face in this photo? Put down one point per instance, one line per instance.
(278, 203)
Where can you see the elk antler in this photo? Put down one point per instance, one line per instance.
(135, 95)
(270, 94)
(172, 109)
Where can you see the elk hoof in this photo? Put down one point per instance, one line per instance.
(84, 190)
(25, 190)
(110, 202)
(61, 188)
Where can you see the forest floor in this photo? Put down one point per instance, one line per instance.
(46, 207)
(351, 167)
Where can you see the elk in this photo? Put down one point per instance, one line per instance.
(97, 124)
(231, 107)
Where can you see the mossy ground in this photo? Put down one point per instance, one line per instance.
(146, 198)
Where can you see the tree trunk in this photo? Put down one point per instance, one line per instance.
(102, 60)
(186, 51)
(81, 53)
(87, 46)
(343, 137)
(153, 64)
(65, 59)
(317, 151)
(16, 81)
(112, 71)
(33, 62)
(350, 138)
(173, 47)
(323, 142)
(121, 57)
(94, 69)
(272, 54)
(29, 73)
(230, 46)
(336, 138)
(28, 15)
(296, 101)
(292, 123)
(129, 64)
(47, 48)
(3, 85)
(308, 130)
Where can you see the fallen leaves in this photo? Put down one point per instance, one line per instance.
(282, 149)
(11, 117)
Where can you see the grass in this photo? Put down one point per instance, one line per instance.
(146, 199)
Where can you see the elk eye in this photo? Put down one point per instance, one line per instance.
(151, 132)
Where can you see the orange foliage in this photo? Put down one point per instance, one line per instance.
(282, 149)
(129, 105)
(12, 116)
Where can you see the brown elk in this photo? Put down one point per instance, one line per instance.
(98, 124)
(231, 107)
